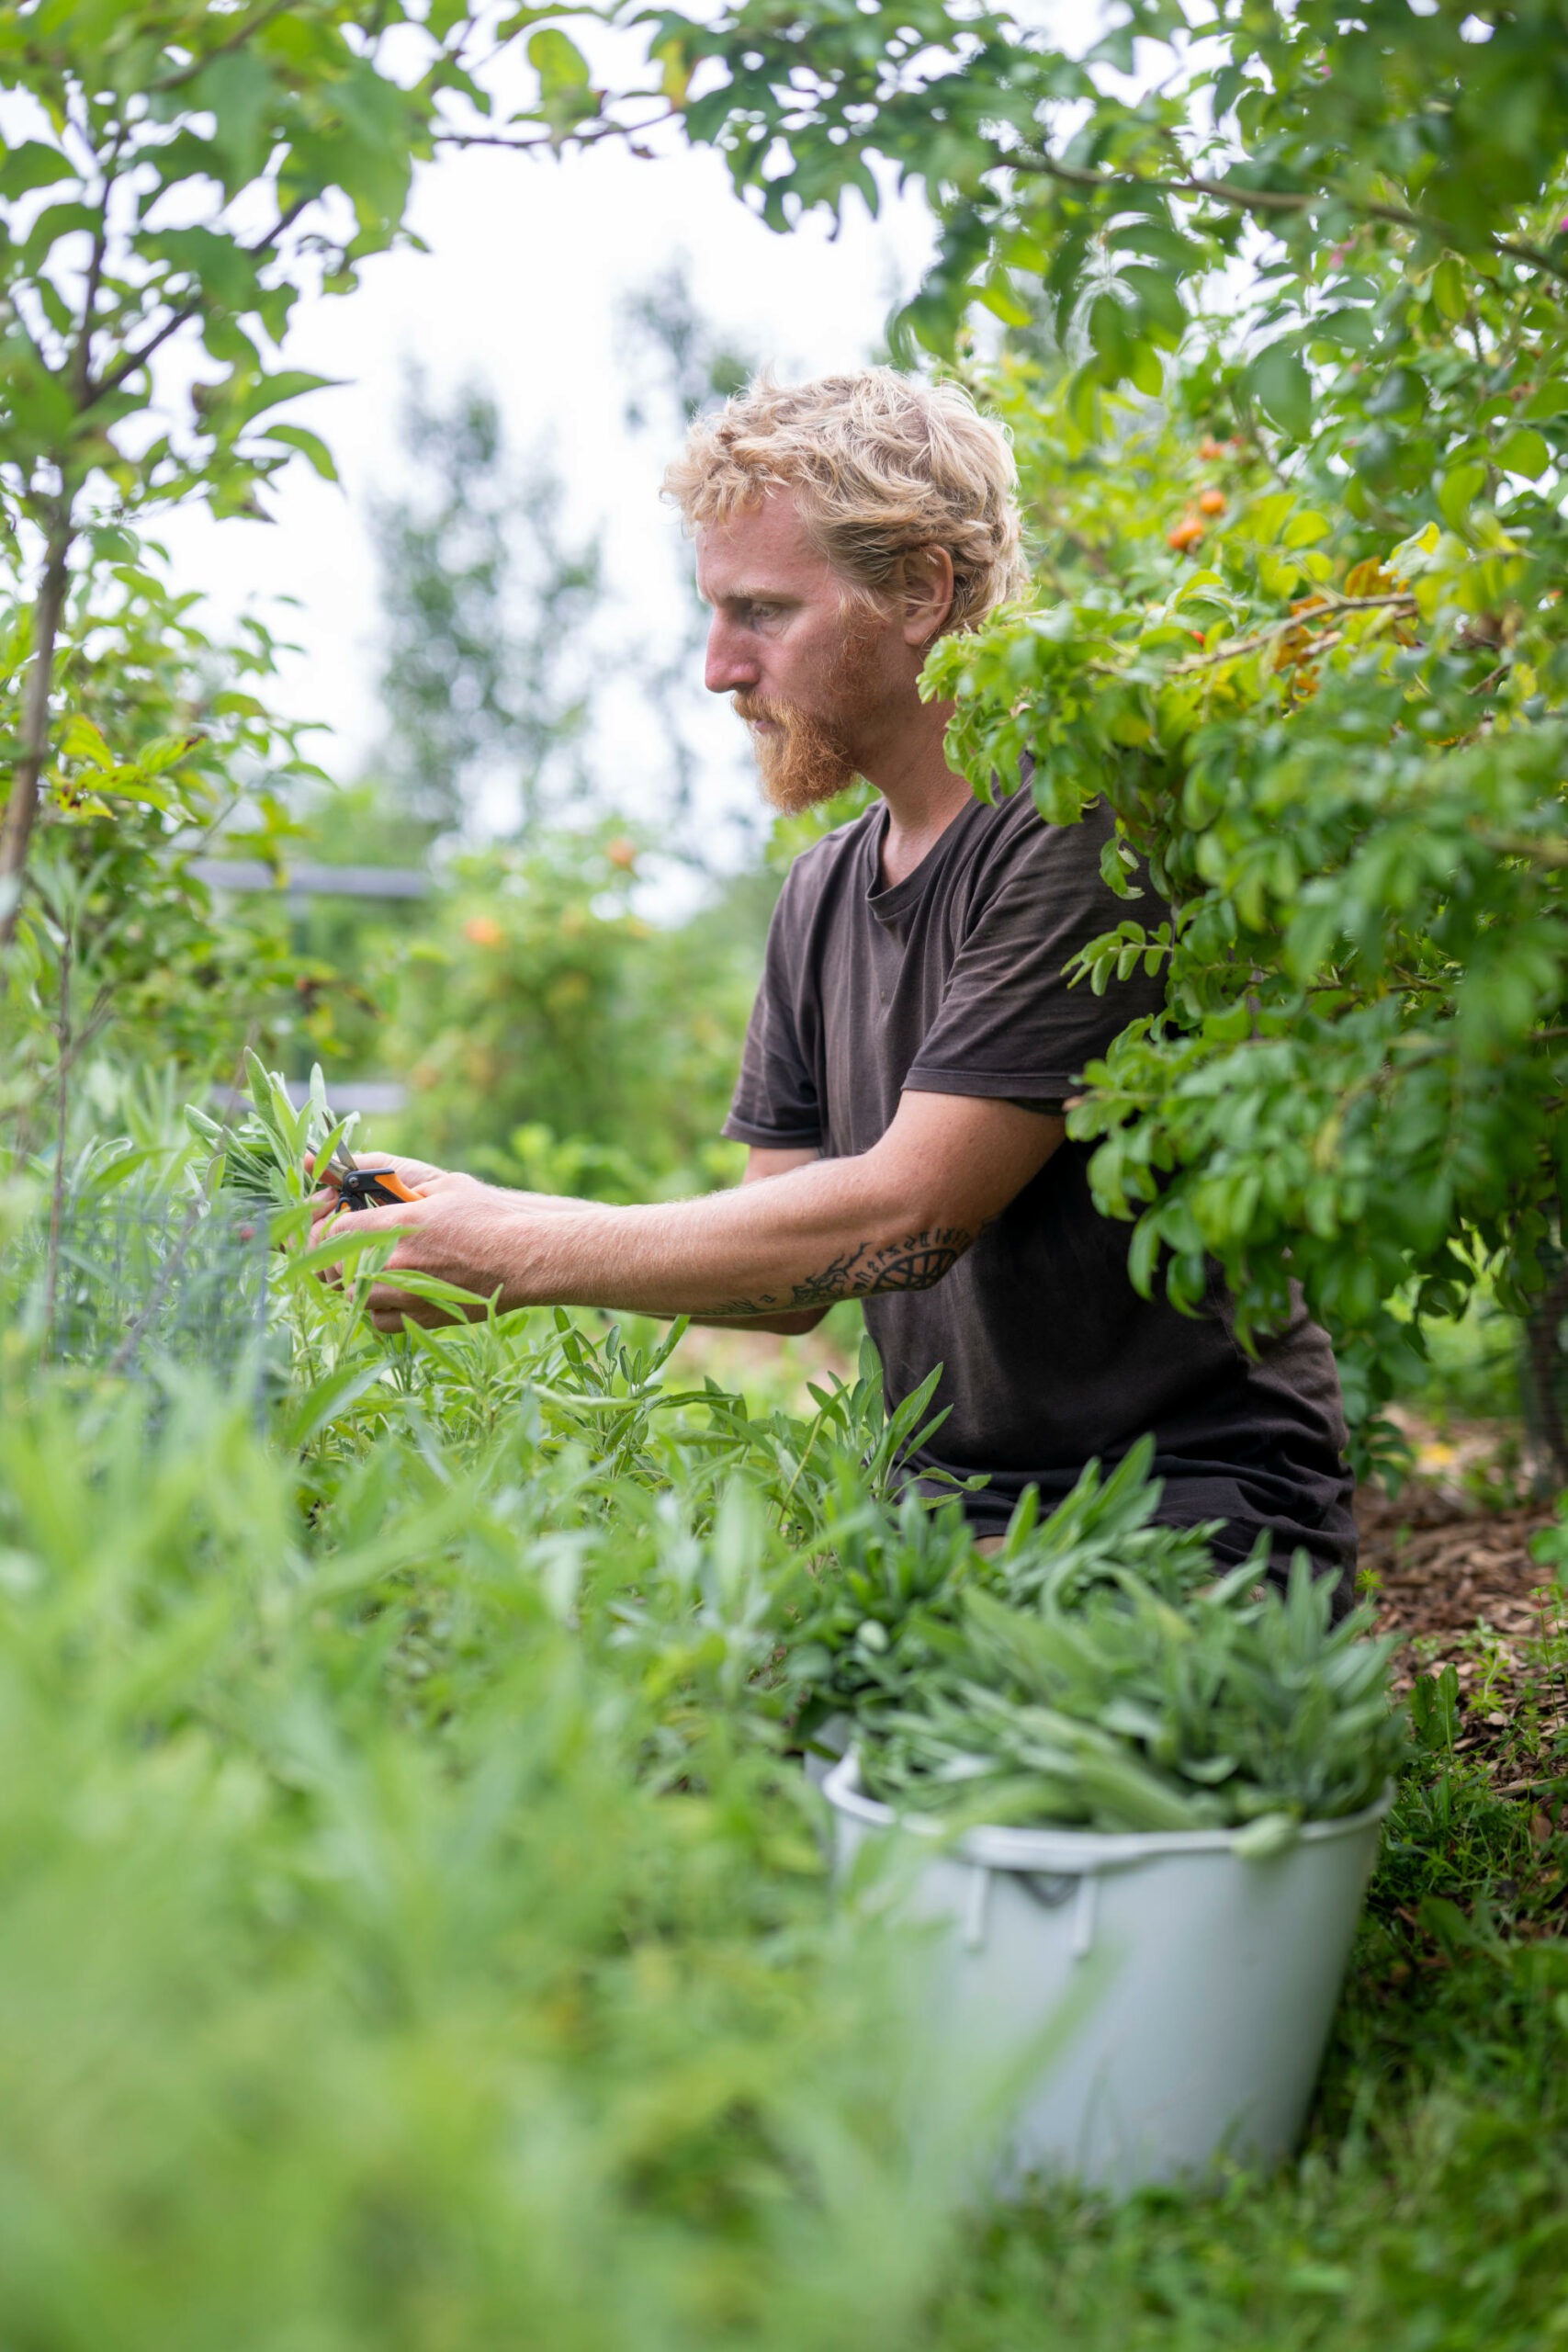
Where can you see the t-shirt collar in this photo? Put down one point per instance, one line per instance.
(890, 906)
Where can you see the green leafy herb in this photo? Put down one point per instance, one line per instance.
(1084, 1689)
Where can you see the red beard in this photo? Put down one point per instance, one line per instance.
(806, 758)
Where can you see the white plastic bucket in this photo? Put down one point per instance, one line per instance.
(1194, 1988)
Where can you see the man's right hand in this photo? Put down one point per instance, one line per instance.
(422, 1176)
(419, 1175)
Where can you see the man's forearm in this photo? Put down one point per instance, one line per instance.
(785, 1245)
(833, 1229)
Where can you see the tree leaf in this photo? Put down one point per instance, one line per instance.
(80, 740)
(288, 384)
(31, 164)
(1448, 289)
(308, 444)
(238, 89)
(558, 63)
(1459, 490)
(1524, 452)
(1279, 383)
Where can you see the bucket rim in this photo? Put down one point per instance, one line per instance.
(1073, 1853)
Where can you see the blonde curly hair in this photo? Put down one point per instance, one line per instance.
(881, 465)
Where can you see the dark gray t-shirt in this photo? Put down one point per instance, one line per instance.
(951, 982)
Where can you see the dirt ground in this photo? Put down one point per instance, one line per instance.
(1448, 1564)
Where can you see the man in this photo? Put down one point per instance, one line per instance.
(913, 1039)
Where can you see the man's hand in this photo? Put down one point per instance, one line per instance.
(449, 1232)
(417, 1174)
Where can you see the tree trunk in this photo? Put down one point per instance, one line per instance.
(1544, 1369)
(22, 805)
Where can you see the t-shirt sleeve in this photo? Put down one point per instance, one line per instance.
(1009, 1022)
(774, 1103)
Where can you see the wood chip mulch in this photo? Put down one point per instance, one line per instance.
(1455, 1582)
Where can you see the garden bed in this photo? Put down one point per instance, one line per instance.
(1452, 1573)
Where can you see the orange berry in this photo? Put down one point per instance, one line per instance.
(1186, 534)
(622, 853)
(1210, 501)
(484, 931)
(1208, 449)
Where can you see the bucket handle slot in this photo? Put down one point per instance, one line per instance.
(1052, 1889)
(1049, 1889)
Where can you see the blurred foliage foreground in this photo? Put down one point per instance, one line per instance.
(417, 1929)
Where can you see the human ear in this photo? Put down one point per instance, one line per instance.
(926, 588)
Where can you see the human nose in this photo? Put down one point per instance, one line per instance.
(729, 665)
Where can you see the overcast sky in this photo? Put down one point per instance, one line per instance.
(528, 263)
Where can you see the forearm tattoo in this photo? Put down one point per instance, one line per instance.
(915, 1263)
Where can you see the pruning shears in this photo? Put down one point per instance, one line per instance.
(367, 1188)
